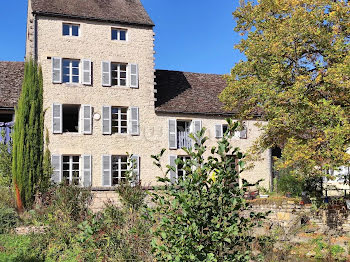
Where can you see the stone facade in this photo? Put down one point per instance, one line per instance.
(44, 38)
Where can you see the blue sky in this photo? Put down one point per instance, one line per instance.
(194, 36)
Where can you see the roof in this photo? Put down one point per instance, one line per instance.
(122, 11)
(11, 77)
(189, 93)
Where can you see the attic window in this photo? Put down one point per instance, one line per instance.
(70, 30)
(119, 34)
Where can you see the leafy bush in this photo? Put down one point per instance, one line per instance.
(5, 163)
(131, 196)
(7, 197)
(8, 219)
(199, 218)
(290, 183)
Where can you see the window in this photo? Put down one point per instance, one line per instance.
(119, 120)
(5, 118)
(71, 29)
(183, 131)
(119, 74)
(119, 34)
(70, 118)
(71, 71)
(71, 170)
(181, 173)
(220, 130)
(119, 169)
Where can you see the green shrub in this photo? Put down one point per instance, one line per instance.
(131, 196)
(199, 218)
(7, 197)
(8, 219)
(290, 183)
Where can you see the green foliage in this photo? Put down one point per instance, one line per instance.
(200, 218)
(5, 163)
(28, 143)
(290, 183)
(296, 76)
(8, 219)
(45, 180)
(132, 196)
(7, 197)
(15, 248)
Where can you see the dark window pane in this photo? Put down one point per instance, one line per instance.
(75, 30)
(66, 159)
(65, 29)
(124, 110)
(75, 71)
(124, 131)
(65, 173)
(65, 166)
(75, 79)
(66, 70)
(114, 34)
(75, 166)
(122, 82)
(123, 35)
(75, 158)
(122, 74)
(115, 181)
(114, 66)
(65, 79)
(114, 74)
(75, 64)
(65, 63)
(114, 82)
(123, 67)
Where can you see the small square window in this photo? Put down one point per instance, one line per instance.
(70, 30)
(119, 34)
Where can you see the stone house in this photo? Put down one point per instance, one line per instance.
(103, 96)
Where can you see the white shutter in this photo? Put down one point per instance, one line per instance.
(56, 162)
(57, 118)
(106, 74)
(173, 176)
(87, 166)
(134, 126)
(218, 131)
(86, 68)
(197, 126)
(244, 132)
(136, 168)
(86, 119)
(106, 120)
(106, 170)
(172, 134)
(56, 70)
(134, 75)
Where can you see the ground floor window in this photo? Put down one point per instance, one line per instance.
(71, 170)
(119, 169)
(181, 173)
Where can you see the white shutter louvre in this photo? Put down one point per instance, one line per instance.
(87, 166)
(244, 132)
(172, 163)
(86, 119)
(106, 120)
(56, 70)
(136, 169)
(106, 74)
(56, 162)
(106, 170)
(172, 134)
(134, 126)
(57, 118)
(218, 131)
(87, 76)
(134, 75)
(197, 126)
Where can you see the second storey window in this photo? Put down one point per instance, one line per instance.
(70, 29)
(119, 72)
(119, 120)
(119, 34)
(179, 131)
(71, 71)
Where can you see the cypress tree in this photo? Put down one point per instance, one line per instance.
(27, 165)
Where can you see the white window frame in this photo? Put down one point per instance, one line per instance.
(184, 159)
(120, 120)
(118, 34)
(71, 71)
(71, 168)
(119, 73)
(71, 29)
(119, 169)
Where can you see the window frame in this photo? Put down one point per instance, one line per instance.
(178, 170)
(118, 34)
(70, 74)
(119, 71)
(70, 25)
(80, 119)
(71, 170)
(119, 169)
(120, 120)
